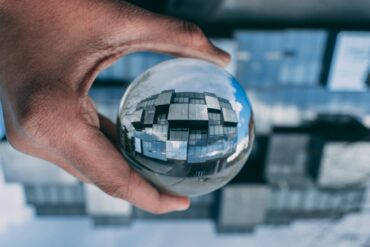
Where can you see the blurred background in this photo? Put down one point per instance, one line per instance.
(306, 67)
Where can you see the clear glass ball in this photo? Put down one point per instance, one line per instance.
(186, 125)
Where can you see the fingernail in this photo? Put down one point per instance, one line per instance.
(183, 207)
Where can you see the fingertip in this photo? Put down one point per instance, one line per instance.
(176, 203)
(184, 205)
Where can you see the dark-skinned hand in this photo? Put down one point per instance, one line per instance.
(50, 53)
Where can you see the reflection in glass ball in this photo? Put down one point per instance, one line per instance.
(186, 125)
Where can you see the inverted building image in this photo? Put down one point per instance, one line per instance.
(188, 128)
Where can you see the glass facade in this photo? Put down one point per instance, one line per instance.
(198, 112)
(185, 126)
(212, 102)
(176, 150)
(351, 67)
(286, 57)
(179, 134)
(178, 112)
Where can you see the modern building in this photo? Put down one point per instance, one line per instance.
(293, 159)
(268, 59)
(48, 188)
(345, 164)
(53, 192)
(289, 204)
(350, 70)
(186, 127)
(242, 207)
(293, 106)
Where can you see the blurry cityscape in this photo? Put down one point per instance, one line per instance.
(310, 91)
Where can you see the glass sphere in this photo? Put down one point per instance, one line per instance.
(186, 125)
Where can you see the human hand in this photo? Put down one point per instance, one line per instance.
(50, 53)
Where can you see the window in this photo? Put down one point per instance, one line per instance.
(197, 137)
(162, 118)
(178, 112)
(230, 131)
(160, 131)
(215, 130)
(176, 150)
(179, 134)
(197, 154)
(198, 112)
(163, 98)
(181, 100)
(197, 101)
(214, 118)
(154, 149)
(225, 104)
(229, 115)
(212, 102)
(149, 115)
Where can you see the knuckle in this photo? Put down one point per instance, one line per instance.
(15, 140)
(194, 34)
(120, 191)
(36, 118)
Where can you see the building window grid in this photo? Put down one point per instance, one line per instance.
(197, 101)
(179, 134)
(224, 104)
(162, 118)
(230, 131)
(178, 111)
(149, 115)
(214, 118)
(160, 131)
(197, 137)
(181, 100)
(215, 130)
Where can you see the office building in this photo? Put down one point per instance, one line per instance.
(267, 59)
(293, 159)
(350, 70)
(288, 204)
(292, 106)
(196, 128)
(242, 207)
(51, 190)
(345, 164)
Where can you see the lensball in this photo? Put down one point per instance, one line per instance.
(186, 125)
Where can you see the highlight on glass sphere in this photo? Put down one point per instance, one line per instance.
(186, 125)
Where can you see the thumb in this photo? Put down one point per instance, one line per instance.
(158, 33)
(179, 38)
